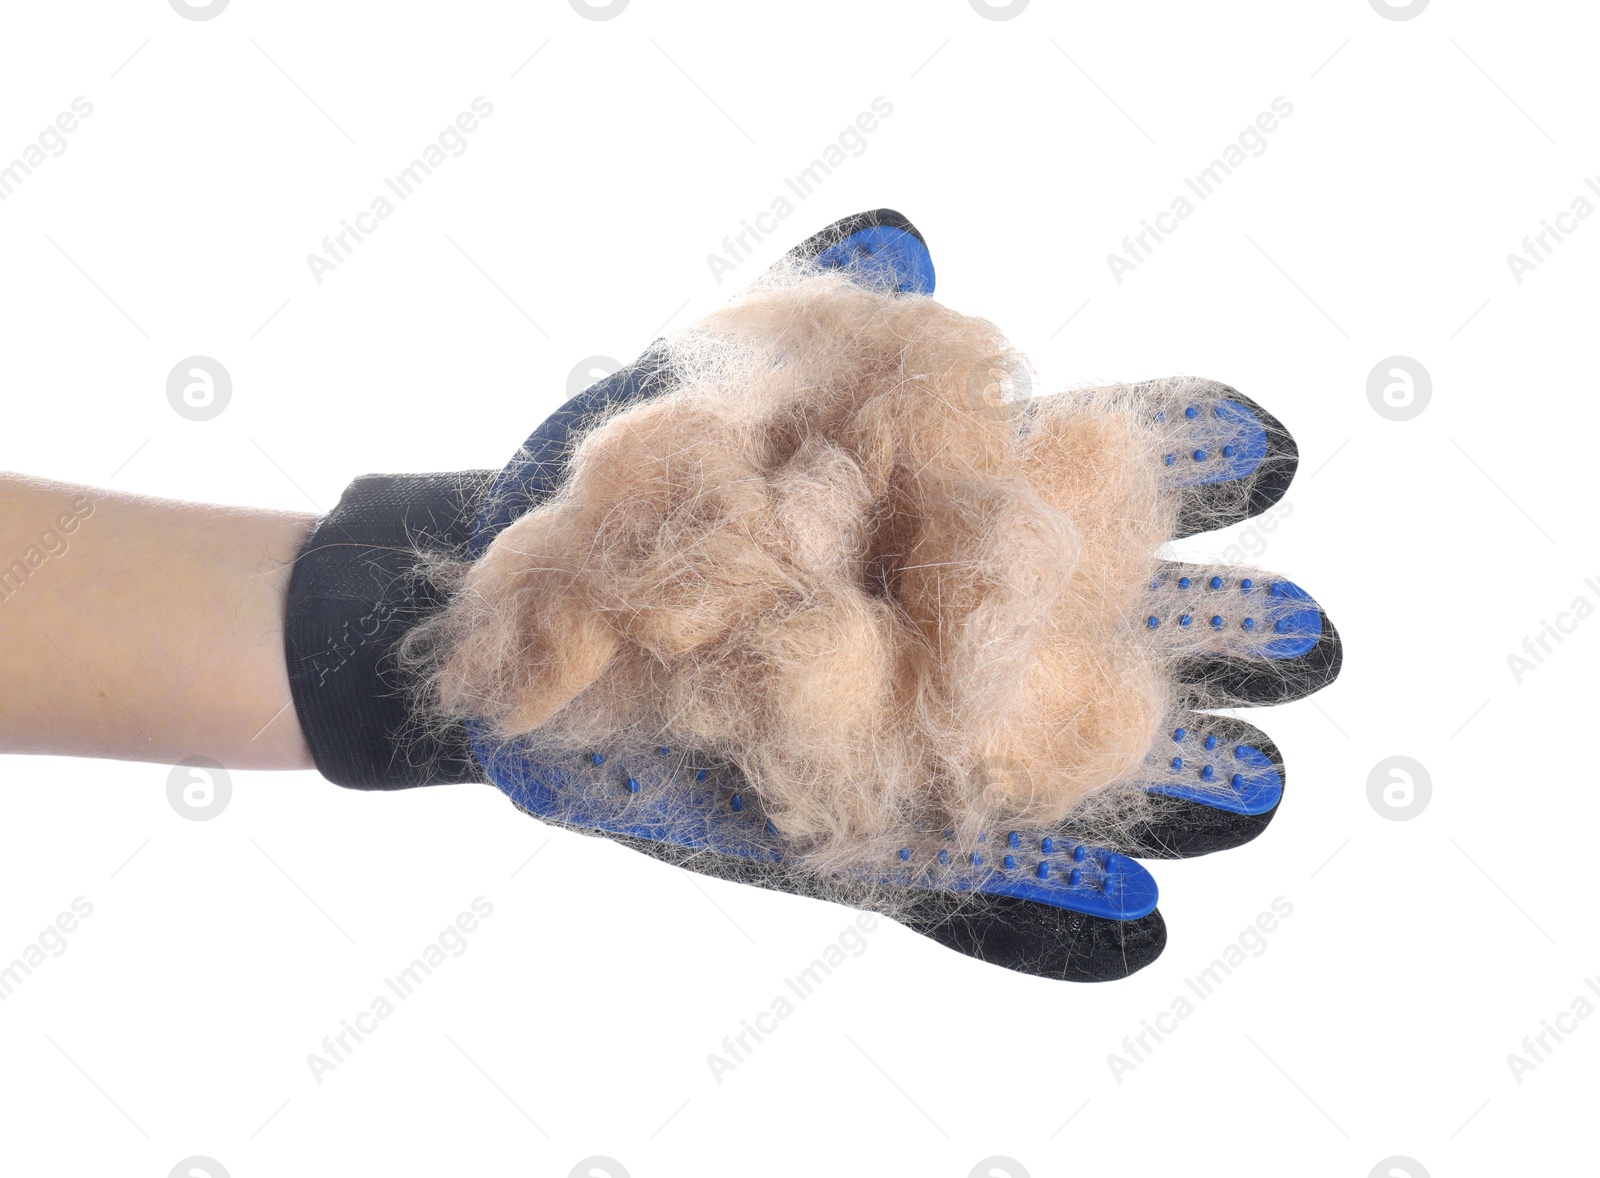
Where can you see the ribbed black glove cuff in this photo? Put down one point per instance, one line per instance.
(354, 591)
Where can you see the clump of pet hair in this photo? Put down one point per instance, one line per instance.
(842, 557)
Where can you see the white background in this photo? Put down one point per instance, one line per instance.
(1378, 1020)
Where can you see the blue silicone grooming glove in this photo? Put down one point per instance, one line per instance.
(1068, 902)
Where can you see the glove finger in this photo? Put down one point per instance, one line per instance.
(1038, 939)
(1224, 456)
(705, 806)
(880, 247)
(1007, 931)
(1240, 637)
(1215, 782)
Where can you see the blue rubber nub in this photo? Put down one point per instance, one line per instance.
(1232, 432)
(1295, 622)
(1252, 785)
(1120, 890)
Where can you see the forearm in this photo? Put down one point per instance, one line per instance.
(144, 629)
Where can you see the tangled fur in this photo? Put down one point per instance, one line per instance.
(844, 556)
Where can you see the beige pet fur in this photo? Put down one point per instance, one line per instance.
(843, 557)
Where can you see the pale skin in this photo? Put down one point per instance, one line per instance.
(145, 629)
